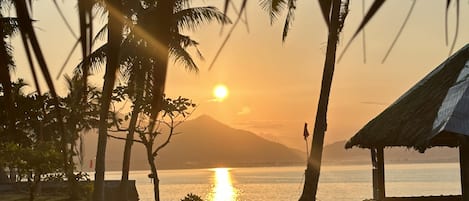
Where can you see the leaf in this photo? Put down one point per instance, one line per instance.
(456, 32)
(289, 19)
(326, 10)
(369, 15)
(273, 7)
(448, 2)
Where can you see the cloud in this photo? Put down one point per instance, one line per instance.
(374, 103)
(244, 111)
(263, 124)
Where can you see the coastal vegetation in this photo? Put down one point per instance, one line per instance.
(41, 142)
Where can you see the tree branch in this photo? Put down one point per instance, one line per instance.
(123, 138)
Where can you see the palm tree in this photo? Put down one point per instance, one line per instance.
(160, 22)
(137, 63)
(80, 115)
(7, 27)
(334, 13)
(115, 27)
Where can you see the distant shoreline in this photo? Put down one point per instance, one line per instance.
(325, 163)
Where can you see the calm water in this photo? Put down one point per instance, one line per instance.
(337, 183)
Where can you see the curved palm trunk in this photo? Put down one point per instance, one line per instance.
(5, 79)
(114, 40)
(154, 173)
(160, 50)
(124, 186)
(314, 162)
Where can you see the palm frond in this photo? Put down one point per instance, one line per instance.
(101, 34)
(326, 10)
(274, 7)
(400, 31)
(191, 18)
(85, 8)
(180, 55)
(289, 19)
(25, 24)
(184, 41)
(456, 31)
(96, 60)
(228, 36)
(67, 59)
(448, 2)
(64, 19)
(369, 15)
(179, 45)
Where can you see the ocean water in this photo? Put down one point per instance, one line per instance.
(337, 183)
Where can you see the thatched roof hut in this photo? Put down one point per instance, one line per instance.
(434, 112)
(429, 114)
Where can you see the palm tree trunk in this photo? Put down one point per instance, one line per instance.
(314, 163)
(154, 173)
(160, 49)
(114, 40)
(5, 80)
(124, 186)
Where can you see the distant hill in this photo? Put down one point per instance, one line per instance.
(336, 154)
(203, 142)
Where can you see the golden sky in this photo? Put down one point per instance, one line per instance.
(274, 86)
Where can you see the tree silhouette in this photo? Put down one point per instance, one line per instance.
(174, 112)
(115, 28)
(334, 13)
(137, 63)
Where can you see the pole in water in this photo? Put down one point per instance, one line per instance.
(306, 135)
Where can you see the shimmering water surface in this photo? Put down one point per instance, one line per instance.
(337, 183)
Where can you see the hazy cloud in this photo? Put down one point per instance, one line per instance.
(244, 111)
(374, 103)
(263, 124)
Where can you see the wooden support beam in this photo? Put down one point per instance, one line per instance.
(374, 166)
(377, 160)
(464, 167)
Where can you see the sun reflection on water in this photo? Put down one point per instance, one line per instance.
(223, 189)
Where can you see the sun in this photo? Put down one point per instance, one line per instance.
(220, 92)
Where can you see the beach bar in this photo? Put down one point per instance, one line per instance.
(434, 112)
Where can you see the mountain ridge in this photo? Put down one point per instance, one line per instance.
(203, 143)
(336, 153)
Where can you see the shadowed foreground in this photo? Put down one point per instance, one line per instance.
(56, 191)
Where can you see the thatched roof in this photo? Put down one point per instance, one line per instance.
(434, 112)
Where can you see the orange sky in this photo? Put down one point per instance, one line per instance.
(274, 87)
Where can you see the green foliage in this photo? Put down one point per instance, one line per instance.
(192, 197)
(178, 106)
(43, 157)
(42, 145)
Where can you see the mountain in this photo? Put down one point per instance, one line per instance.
(336, 154)
(202, 143)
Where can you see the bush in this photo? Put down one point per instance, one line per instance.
(192, 197)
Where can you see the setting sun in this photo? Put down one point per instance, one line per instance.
(220, 92)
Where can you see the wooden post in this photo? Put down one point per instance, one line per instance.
(464, 167)
(377, 160)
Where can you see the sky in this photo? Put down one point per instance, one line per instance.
(274, 86)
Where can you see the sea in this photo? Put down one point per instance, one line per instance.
(337, 182)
